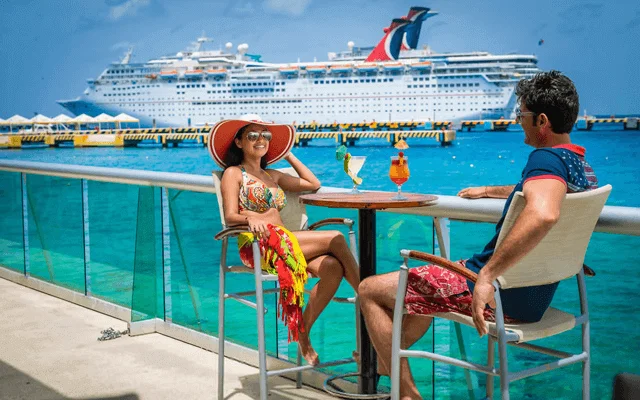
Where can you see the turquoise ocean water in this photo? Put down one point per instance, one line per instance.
(476, 158)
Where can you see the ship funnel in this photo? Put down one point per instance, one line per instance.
(416, 16)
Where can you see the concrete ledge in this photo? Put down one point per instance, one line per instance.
(92, 303)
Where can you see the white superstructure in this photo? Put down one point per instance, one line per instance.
(197, 87)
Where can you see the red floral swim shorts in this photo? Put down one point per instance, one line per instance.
(432, 289)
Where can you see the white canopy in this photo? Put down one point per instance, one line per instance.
(104, 118)
(61, 119)
(82, 119)
(125, 118)
(41, 119)
(17, 120)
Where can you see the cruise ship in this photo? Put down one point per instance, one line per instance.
(397, 80)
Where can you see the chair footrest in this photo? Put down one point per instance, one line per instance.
(307, 367)
(336, 391)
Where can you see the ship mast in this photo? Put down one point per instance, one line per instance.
(127, 56)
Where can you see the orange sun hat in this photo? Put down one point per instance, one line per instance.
(224, 132)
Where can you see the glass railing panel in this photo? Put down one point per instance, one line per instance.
(124, 225)
(147, 296)
(56, 239)
(194, 220)
(11, 223)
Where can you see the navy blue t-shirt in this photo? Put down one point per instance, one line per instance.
(567, 164)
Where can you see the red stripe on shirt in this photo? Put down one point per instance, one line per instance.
(548, 176)
(579, 150)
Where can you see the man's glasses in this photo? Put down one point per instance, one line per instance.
(520, 114)
(254, 136)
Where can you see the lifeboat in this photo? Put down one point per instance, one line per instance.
(341, 68)
(216, 73)
(393, 66)
(151, 76)
(194, 74)
(421, 65)
(367, 67)
(169, 74)
(289, 70)
(316, 69)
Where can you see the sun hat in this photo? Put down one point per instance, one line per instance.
(223, 133)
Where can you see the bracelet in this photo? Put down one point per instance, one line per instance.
(486, 194)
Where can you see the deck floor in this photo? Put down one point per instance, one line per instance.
(49, 350)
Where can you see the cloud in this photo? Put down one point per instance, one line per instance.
(128, 8)
(291, 7)
(243, 8)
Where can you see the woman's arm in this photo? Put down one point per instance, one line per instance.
(230, 186)
(307, 181)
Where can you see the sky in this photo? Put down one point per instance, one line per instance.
(49, 48)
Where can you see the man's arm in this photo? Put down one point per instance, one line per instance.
(544, 199)
(495, 192)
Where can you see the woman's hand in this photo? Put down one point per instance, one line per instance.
(258, 226)
(473, 193)
(288, 157)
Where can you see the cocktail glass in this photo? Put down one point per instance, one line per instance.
(399, 173)
(355, 165)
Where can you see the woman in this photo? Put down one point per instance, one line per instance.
(254, 195)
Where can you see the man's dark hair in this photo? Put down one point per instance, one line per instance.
(235, 156)
(553, 94)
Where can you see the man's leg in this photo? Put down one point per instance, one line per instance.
(377, 299)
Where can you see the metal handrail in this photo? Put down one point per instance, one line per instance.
(614, 219)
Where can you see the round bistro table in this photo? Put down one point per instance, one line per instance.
(367, 203)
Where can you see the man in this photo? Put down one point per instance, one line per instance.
(547, 112)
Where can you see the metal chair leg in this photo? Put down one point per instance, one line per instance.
(299, 373)
(221, 306)
(491, 357)
(463, 355)
(262, 351)
(396, 338)
(502, 345)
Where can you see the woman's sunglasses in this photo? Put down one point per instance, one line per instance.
(253, 136)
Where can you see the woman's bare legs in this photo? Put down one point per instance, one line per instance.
(328, 258)
(318, 243)
(329, 270)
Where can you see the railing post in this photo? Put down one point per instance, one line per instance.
(25, 223)
(166, 254)
(85, 237)
(442, 231)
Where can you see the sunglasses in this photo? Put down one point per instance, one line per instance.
(254, 136)
(520, 114)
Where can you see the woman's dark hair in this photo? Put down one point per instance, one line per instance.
(553, 94)
(235, 156)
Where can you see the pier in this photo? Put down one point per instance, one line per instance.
(582, 124)
(198, 137)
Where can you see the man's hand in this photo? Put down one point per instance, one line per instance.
(473, 193)
(482, 295)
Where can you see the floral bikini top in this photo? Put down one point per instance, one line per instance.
(256, 196)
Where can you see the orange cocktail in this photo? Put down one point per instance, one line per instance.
(399, 173)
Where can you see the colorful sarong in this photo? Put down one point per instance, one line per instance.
(281, 255)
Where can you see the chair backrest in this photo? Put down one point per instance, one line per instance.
(294, 214)
(561, 252)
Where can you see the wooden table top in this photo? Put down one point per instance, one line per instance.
(367, 200)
